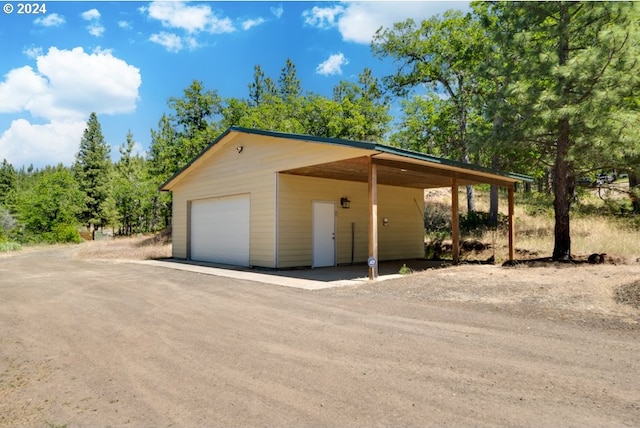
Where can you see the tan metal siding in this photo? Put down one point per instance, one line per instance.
(402, 238)
(223, 171)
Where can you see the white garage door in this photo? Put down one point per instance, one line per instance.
(220, 230)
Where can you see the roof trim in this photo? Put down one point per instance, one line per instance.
(351, 143)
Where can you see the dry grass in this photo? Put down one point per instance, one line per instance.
(534, 233)
(143, 247)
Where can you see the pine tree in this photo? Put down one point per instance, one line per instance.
(288, 82)
(261, 89)
(193, 122)
(133, 191)
(573, 91)
(8, 185)
(92, 173)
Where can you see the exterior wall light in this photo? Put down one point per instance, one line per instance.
(345, 202)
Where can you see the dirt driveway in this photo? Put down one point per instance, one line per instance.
(94, 343)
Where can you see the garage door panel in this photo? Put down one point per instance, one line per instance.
(220, 230)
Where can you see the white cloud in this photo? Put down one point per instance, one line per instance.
(25, 143)
(22, 89)
(80, 82)
(91, 15)
(358, 21)
(33, 52)
(125, 25)
(277, 11)
(333, 65)
(63, 89)
(249, 23)
(95, 27)
(191, 42)
(96, 30)
(171, 42)
(323, 17)
(50, 20)
(191, 19)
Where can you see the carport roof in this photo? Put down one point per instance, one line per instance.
(396, 166)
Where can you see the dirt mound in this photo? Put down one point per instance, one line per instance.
(628, 294)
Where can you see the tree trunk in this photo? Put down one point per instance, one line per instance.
(471, 199)
(493, 205)
(634, 180)
(562, 187)
(548, 181)
(562, 199)
(495, 163)
(471, 194)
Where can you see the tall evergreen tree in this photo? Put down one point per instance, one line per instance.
(573, 90)
(261, 88)
(133, 191)
(162, 152)
(8, 185)
(92, 173)
(193, 124)
(288, 83)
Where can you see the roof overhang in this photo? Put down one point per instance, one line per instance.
(396, 170)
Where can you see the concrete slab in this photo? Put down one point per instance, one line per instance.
(307, 279)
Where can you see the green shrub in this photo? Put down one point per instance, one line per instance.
(404, 270)
(62, 233)
(9, 246)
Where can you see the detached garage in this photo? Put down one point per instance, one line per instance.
(279, 200)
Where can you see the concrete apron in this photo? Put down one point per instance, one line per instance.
(307, 279)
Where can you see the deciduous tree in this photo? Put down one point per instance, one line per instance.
(50, 209)
(441, 55)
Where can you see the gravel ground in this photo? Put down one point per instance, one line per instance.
(108, 343)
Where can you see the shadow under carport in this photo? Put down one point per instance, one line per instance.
(339, 275)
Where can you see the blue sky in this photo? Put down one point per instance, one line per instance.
(123, 60)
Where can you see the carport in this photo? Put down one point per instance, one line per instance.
(398, 167)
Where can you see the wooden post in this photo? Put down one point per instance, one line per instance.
(512, 226)
(373, 218)
(455, 223)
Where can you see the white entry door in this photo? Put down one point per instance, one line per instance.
(324, 234)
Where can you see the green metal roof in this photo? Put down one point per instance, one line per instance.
(356, 144)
